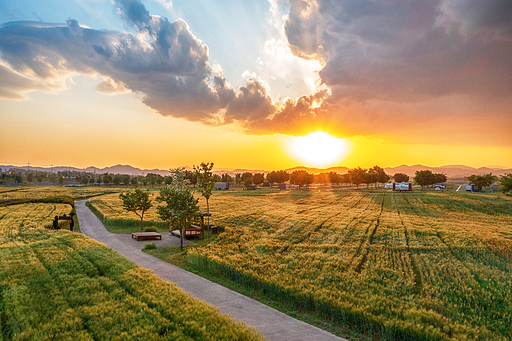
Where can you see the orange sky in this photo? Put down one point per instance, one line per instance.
(158, 86)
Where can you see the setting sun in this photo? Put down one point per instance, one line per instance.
(319, 149)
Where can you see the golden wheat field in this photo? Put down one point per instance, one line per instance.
(417, 265)
(37, 192)
(62, 285)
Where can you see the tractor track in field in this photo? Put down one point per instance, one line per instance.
(321, 225)
(360, 266)
(481, 283)
(418, 283)
(354, 218)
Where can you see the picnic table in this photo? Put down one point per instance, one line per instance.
(146, 235)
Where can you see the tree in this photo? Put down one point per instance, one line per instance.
(206, 183)
(506, 182)
(301, 178)
(258, 178)
(345, 179)
(424, 177)
(179, 202)
(61, 180)
(191, 176)
(226, 178)
(18, 179)
(279, 176)
(137, 202)
(126, 179)
(379, 175)
(238, 178)
(247, 179)
(482, 180)
(134, 181)
(322, 178)
(401, 177)
(117, 179)
(107, 179)
(334, 178)
(357, 176)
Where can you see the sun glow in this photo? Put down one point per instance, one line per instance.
(319, 149)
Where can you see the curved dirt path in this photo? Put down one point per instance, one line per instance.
(272, 324)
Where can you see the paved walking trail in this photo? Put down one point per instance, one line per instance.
(272, 324)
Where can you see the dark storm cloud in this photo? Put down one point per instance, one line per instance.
(406, 50)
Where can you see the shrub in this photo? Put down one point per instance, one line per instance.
(150, 246)
(150, 229)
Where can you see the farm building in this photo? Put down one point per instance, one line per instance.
(221, 185)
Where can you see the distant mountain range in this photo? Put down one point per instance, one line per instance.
(452, 171)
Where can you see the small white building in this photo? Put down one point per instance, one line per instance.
(221, 185)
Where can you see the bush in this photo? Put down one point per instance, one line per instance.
(150, 246)
(150, 229)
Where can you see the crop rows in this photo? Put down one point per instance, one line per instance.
(37, 192)
(413, 266)
(60, 285)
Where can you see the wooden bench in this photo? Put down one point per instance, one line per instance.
(146, 235)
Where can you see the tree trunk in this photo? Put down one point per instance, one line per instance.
(141, 223)
(208, 217)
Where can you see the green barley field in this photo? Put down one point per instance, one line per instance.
(61, 285)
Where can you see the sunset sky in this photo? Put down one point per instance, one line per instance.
(160, 83)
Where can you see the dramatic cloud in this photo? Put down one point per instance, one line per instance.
(164, 61)
(382, 64)
(406, 50)
(13, 85)
(378, 53)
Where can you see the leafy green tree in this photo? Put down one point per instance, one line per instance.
(52, 178)
(379, 175)
(134, 181)
(18, 179)
(258, 178)
(226, 178)
(191, 177)
(506, 182)
(424, 178)
(61, 180)
(117, 179)
(30, 177)
(126, 179)
(238, 178)
(247, 179)
(301, 178)
(107, 179)
(137, 202)
(179, 204)
(357, 176)
(482, 180)
(334, 178)
(401, 177)
(279, 176)
(206, 184)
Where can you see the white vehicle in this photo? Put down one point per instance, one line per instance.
(402, 186)
(388, 186)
